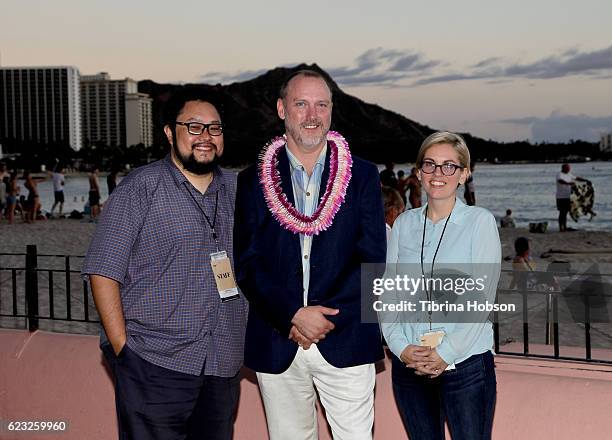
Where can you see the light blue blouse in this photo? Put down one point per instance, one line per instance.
(471, 236)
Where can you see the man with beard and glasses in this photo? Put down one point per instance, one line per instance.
(160, 268)
(307, 216)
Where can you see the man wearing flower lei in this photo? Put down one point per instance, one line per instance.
(308, 214)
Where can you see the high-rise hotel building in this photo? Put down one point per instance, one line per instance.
(40, 105)
(138, 119)
(114, 113)
(56, 105)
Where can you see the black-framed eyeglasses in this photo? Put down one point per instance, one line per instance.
(197, 128)
(447, 169)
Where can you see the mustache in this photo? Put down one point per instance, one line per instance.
(206, 144)
(311, 122)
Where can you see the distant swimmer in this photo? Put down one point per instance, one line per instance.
(507, 221)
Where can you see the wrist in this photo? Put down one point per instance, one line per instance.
(295, 316)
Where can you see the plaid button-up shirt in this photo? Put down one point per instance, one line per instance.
(154, 240)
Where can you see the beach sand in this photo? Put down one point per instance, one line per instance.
(58, 236)
(71, 237)
(574, 246)
(67, 236)
(51, 237)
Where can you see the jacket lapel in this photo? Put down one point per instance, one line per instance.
(285, 175)
(325, 175)
(316, 241)
(287, 188)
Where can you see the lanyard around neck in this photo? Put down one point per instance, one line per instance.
(427, 292)
(214, 221)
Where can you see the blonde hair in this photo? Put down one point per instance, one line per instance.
(445, 137)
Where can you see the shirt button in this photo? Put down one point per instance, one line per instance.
(305, 257)
(308, 194)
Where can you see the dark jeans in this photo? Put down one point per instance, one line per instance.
(564, 206)
(465, 397)
(157, 403)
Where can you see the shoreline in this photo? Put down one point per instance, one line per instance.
(71, 236)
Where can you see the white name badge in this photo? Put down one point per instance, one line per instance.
(432, 338)
(224, 276)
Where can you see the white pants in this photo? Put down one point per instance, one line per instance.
(347, 394)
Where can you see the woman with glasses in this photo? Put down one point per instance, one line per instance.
(444, 369)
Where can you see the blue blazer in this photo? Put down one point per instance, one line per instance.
(269, 270)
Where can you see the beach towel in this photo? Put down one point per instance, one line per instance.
(581, 200)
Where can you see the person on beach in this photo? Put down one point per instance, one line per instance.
(414, 188)
(300, 240)
(507, 221)
(12, 198)
(160, 269)
(111, 180)
(469, 193)
(402, 185)
(565, 181)
(4, 179)
(58, 190)
(522, 265)
(387, 176)
(94, 193)
(33, 200)
(443, 370)
(394, 206)
(525, 275)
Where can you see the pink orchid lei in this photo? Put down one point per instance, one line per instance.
(282, 210)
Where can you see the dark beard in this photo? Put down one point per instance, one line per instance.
(193, 166)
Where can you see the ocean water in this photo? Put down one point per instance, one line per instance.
(76, 192)
(527, 189)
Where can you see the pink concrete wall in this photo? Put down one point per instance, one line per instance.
(49, 376)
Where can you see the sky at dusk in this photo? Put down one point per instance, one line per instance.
(538, 70)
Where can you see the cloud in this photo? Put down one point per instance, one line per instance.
(377, 66)
(596, 64)
(486, 62)
(407, 68)
(225, 77)
(560, 127)
(383, 67)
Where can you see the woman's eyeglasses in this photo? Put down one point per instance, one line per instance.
(447, 169)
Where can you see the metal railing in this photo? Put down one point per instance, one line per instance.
(25, 298)
(75, 303)
(553, 321)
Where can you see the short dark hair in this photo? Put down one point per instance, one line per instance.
(391, 198)
(181, 96)
(521, 245)
(282, 93)
(508, 211)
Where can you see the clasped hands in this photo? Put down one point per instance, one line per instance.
(426, 361)
(310, 325)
